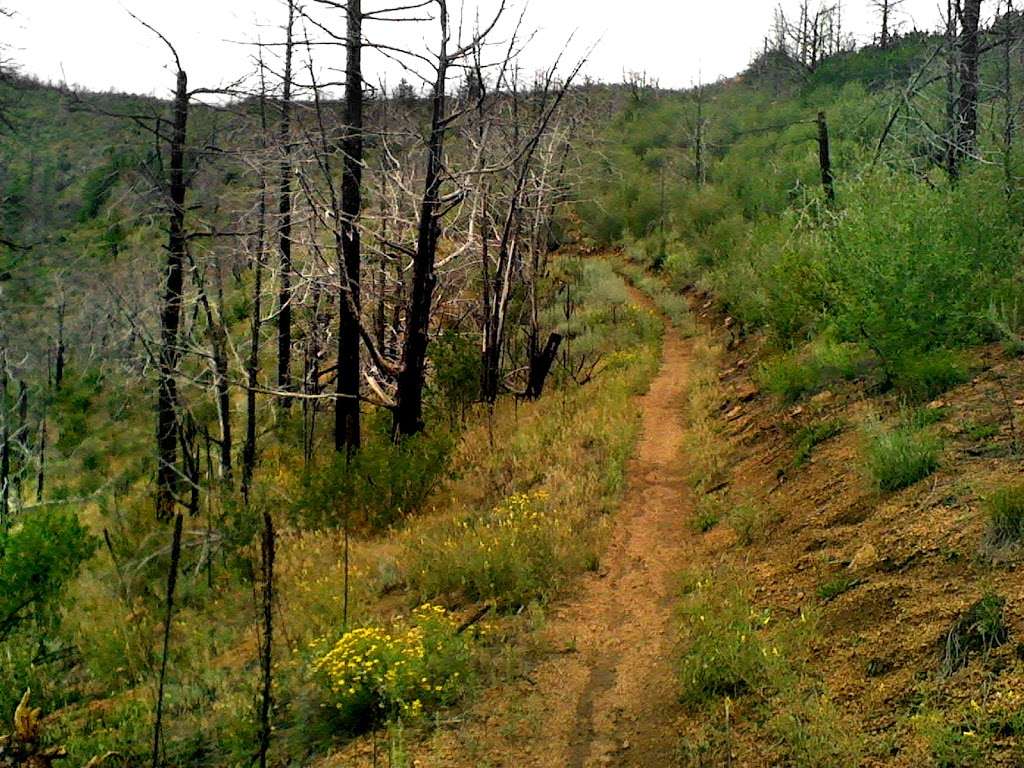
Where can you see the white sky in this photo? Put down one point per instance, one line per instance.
(95, 43)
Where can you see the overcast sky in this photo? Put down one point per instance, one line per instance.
(95, 43)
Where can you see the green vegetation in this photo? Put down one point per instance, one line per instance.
(1004, 508)
(735, 651)
(375, 674)
(837, 586)
(980, 629)
(897, 458)
(813, 435)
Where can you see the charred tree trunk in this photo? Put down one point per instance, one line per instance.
(825, 159)
(540, 366)
(267, 646)
(346, 415)
(58, 373)
(172, 580)
(253, 364)
(967, 101)
(408, 413)
(170, 313)
(284, 317)
(41, 454)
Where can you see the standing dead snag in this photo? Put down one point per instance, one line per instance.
(540, 366)
(267, 645)
(408, 413)
(284, 231)
(170, 312)
(967, 101)
(825, 159)
(346, 415)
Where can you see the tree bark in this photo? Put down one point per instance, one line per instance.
(267, 646)
(967, 101)
(825, 159)
(408, 412)
(284, 317)
(170, 313)
(346, 415)
(540, 366)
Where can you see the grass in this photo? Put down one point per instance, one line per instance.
(810, 437)
(708, 514)
(727, 650)
(534, 482)
(746, 657)
(707, 452)
(836, 586)
(978, 630)
(750, 521)
(804, 372)
(898, 458)
(1004, 509)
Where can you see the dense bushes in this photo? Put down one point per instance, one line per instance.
(38, 556)
(907, 267)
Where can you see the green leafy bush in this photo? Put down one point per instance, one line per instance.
(727, 650)
(38, 556)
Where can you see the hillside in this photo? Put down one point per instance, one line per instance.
(714, 458)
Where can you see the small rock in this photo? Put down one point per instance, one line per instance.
(796, 411)
(729, 322)
(734, 414)
(934, 405)
(823, 397)
(864, 558)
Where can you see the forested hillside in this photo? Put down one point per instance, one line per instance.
(345, 425)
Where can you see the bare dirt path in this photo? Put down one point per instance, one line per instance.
(612, 701)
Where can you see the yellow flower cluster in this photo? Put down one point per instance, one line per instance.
(389, 670)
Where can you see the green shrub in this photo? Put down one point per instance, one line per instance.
(457, 371)
(900, 457)
(708, 514)
(815, 733)
(980, 629)
(38, 556)
(510, 556)
(376, 675)
(727, 648)
(1005, 510)
(750, 521)
(835, 587)
(927, 375)
(377, 487)
(796, 374)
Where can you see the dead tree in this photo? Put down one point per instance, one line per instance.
(284, 224)
(885, 10)
(349, 375)
(967, 101)
(170, 313)
(408, 411)
(258, 262)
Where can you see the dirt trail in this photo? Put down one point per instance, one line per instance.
(612, 701)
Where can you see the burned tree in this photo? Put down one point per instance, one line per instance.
(886, 9)
(284, 223)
